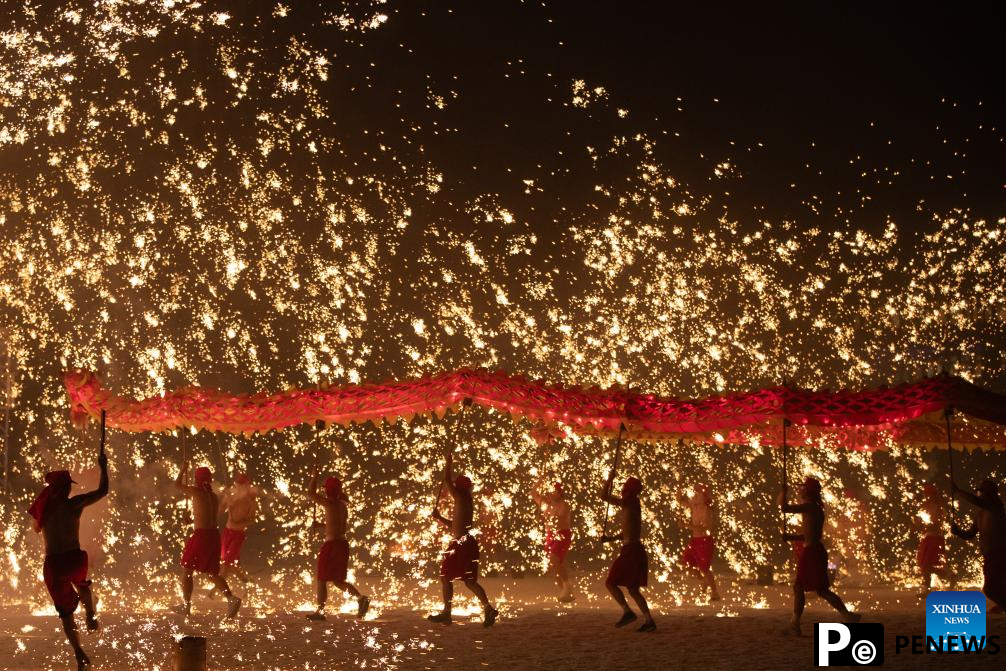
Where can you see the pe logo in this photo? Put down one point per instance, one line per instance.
(953, 619)
(849, 644)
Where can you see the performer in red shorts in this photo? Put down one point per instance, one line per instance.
(929, 556)
(57, 516)
(241, 504)
(202, 551)
(558, 536)
(629, 569)
(698, 556)
(991, 531)
(461, 558)
(812, 559)
(333, 559)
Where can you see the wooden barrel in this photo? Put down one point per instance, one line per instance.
(190, 655)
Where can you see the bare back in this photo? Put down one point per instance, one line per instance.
(336, 514)
(632, 521)
(701, 517)
(812, 520)
(205, 508)
(61, 526)
(461, 524)
(61, 530)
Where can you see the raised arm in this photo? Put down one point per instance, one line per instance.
(971, 498)
(791, 507)
(966, 534)
(448, 468)
(92, 497)
(180, 481)
(439, 517)
(536, 495)
(312, 491)
(606, 491)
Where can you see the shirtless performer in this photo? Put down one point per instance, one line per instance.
(240, 502)
(991, 532)
(929, 556)
(57, 516)
(558, 536)
(629, 570)
(698, 556)
(202, 551)
(812, 557)
(462, 555)
(333, 559)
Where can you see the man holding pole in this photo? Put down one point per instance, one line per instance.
(461, 558)
(241, 504)
(333, 559)
(558, 536)
(57, 516)
(930, 553)
(812, 557)
(202, 550)
(991, 532)
(629, 570)
(698, 556)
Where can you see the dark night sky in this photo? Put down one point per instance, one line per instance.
(831, 94)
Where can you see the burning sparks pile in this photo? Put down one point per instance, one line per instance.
(189, 196)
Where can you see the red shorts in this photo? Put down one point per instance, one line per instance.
(461, 559)
(202, 552)
(994, 571)
(558, 546)
(812, 568)
(333, 561)
(630, 567)
(699, 553)
(930, 552)
(64, 573)
(231, 542)
(797, 550)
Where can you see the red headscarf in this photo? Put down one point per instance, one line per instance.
(242, 479)
(631, 488)
(463, 482)
(333, 487)
(204, 478)
(558, 489)
(58, 487)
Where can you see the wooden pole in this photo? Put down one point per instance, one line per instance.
(319, 426)
(101, 447)
(8, 401)
(185, 463)
(947, 414)
(440, 492)
(785, 468)
(614, 469)
(221, 460)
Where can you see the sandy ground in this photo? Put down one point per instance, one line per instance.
(743, 631)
